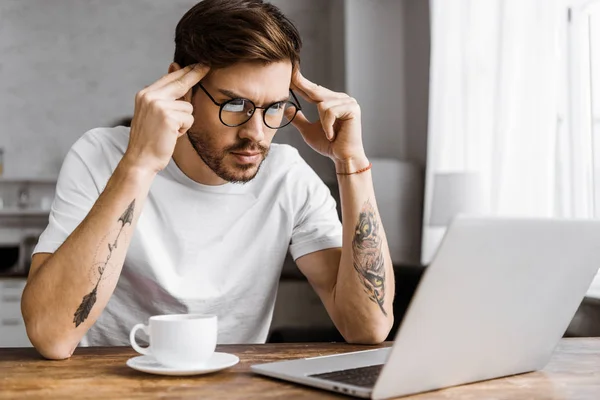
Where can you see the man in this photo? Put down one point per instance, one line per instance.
(185, 213)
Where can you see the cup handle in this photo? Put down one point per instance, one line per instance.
(136, 347)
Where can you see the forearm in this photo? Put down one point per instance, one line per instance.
(365, 283)
(67, 293)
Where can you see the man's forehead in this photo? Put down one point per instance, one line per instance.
(253, 80)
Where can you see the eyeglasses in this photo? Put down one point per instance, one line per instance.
(236, 112)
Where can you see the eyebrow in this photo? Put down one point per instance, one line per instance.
(234, 95)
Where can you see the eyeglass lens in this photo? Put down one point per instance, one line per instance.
(238, 111)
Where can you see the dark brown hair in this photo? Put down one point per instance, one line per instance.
(220, 33)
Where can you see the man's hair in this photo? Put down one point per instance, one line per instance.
(221, 33)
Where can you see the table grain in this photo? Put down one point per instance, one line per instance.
(100, 372)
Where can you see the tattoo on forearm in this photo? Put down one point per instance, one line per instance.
(83, 311)
(368, 255)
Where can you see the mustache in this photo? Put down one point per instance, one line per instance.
(247, 145)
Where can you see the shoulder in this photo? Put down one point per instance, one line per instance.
(103, 140)
(97, 153)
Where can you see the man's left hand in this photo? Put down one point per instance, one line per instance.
(338, 133)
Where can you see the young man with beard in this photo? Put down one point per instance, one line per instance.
(185, 213)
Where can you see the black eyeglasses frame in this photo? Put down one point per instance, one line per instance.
(295, 103)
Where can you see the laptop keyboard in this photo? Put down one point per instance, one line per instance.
(363, 376)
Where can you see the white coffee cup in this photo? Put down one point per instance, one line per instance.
(179, 341)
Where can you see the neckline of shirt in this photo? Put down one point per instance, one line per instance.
(177, 174)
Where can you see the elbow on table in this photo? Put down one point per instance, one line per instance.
(48, 345)
(51, 349)
(373, 334)
(54, 353)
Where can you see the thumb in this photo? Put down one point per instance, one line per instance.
(306, 128)
(299, 121)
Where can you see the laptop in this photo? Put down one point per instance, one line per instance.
(495, 301)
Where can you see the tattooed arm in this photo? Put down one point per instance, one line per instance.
(356, 283)
(367, 255)
(66, 291)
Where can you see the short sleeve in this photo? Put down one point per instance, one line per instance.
(317, 225)
(76, 192)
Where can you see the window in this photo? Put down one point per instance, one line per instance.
(583, 66)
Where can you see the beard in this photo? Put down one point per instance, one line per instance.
(215, 158)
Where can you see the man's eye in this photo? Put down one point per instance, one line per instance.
(236, 105)
(276, 108)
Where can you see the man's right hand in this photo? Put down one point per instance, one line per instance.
(67, 291)
(160, 118)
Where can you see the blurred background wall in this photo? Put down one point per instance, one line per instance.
(69, 65)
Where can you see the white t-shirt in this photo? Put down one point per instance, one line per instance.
(197, 248)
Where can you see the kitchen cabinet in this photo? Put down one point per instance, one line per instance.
(12, 327)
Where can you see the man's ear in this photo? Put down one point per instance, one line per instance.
(176, 67)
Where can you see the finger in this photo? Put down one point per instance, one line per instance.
(342, 111)
(327, 118)
(327, 121)
(180, 86)
(300, 121)
(301, 93)
(307, 89)
(310, 131)
(181, 105)
(170, 77)
(184, 120)
(305, 96)
(173, 106)
(311, 91)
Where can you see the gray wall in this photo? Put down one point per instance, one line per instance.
(374, 43)
(321, 25)
(417, 41)
(387, 71)
(70, 65)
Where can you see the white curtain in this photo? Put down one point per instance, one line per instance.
(511, 103)
(495, 101)
(582, 41)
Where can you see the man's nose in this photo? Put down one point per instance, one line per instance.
(254, 128)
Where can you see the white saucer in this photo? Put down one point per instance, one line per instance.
(217, 362)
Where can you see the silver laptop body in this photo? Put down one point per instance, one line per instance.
(495, 301)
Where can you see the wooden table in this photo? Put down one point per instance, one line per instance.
(573, 373)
